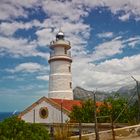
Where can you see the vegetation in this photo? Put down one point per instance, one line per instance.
(83, 113)
(119, 110)
(62, 132)
(15, 129)
(115, 108)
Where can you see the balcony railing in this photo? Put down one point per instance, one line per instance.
(52, 54)
(60, 42)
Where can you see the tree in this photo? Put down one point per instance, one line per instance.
(133, 113)
(15, 129)
(83, 113)
(119, 109)
(110, 107)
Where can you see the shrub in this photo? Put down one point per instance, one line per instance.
(15, 129)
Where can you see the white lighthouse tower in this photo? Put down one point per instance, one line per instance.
(60, 78)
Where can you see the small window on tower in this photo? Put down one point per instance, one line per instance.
(70, 85)
(65, 51)
(69, 69)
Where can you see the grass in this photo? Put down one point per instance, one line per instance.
(62, 132)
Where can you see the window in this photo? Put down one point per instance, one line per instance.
(70, 85)
(69, 69)
(43, 112)
(65, 51)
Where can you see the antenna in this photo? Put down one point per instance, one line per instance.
(60, 29)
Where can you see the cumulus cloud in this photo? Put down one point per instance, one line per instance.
(130, 7)
(16, 46)
(124, 17)
(20, 47)
(71, 20)
(43, 77)
(108, 49)
(126, 65)
(9, 8)
(105, 35)
(77, 9)
(113, 47)
(27, 67)
(133, 41)
(9, 28)
(65, 10)
(106, 75)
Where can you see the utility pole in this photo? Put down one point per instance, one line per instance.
(34, 116)
(62, 118)
(95, 117)
(61, 112)
(112, 127)
(137, 86)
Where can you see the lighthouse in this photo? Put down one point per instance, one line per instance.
(60, 78)
(60, 101)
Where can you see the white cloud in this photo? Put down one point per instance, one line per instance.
(133, 41)
(77, 8)
(108, 49)
(129, 7)
(43, 77)
(10, 9)
(115, 46)
(65, 10)
(45, 36)
(20, 47)
(105, 35)
(9, 28)
(16, 46)
(126, 65)
(111, 74)
(124, 17)
(27, 67)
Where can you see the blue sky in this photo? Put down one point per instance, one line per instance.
(105, 39)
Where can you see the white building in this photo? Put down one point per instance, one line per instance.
(57, 107)
(48, 110)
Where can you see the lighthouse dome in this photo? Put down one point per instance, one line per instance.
(60, 35)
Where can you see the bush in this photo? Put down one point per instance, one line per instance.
(15, 129)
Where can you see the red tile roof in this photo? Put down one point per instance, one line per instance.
(67, 104)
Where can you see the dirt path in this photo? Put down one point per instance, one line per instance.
(130, 138)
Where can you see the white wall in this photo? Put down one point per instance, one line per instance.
(59, 66)
(54, 115)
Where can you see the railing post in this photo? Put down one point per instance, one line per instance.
(112, 127)
(95, 119)
(80, 131)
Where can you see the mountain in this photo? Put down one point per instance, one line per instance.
(82, 94)
(125, 91)
(128, 91)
